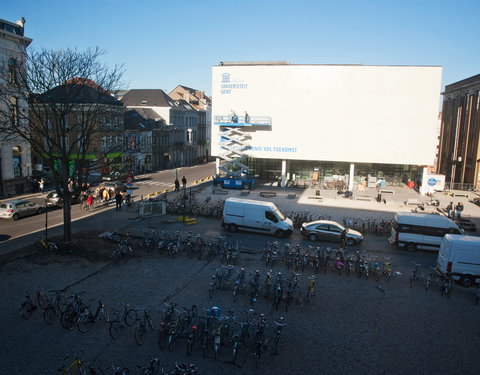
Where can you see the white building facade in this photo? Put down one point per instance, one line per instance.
(330, 120)
(15, 156)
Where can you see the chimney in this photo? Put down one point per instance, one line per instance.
(21, 22)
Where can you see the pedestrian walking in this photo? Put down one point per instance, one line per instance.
(118, 201)
(450, 210)
(89, 202)
(41, 185)
(177, 185)
(184, 182)
(106, 195)
(459, 210)
(247, 118)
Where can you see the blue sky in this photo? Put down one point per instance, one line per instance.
(165, 43)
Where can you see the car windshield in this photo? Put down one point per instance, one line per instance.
(279, 214)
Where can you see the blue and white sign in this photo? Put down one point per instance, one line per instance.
(432, 181)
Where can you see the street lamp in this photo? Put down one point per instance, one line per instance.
(46, 220)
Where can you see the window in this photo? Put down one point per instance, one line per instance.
(14, 110)
(103, 147)
(66, 143)
(322, 227)
(12, 71)
(270, 216)
(335, 229)
(17, 161)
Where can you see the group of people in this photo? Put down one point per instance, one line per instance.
(38, 185)
(107, 195)
(177, 183)
(234, 117)
(455, 212)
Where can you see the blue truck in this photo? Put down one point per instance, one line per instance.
(234, 182)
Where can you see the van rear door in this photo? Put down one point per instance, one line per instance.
(444, 254)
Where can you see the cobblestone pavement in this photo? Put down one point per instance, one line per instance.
(350, 327)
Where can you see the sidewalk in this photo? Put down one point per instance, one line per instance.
(107, 219)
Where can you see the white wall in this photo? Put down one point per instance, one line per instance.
(372, 114)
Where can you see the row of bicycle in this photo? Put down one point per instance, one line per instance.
(277, 288)
(177, 243)
(319, 259)
(212, 332)
(188, 205)
(431, 278)
(78, 366)
(373, 225)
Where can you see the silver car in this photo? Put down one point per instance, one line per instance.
(19, 208)
(328, 230)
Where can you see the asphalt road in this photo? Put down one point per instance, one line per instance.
(145, 184)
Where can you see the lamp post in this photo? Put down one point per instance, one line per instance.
(46, 220)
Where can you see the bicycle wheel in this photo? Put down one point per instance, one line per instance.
(85, 323)
(234, 355)
(154, 368)
(115, 329)
(171, 340)
(105, 316)
(49, 315)
(162, 339)
(27, 310)
(275, 348)
(60, 303)
(140, 334)
(131, 317)
(68, 319)
(42, 300)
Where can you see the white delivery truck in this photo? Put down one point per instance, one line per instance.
(421, 231)
(255, 216)
(460, 255)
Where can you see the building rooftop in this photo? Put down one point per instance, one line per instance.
(14, 28)
(147, 98)
(464, 83)
(139, 119)
(78, 90)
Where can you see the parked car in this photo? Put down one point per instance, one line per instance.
(16, 209)
(53, 199)
(327, 230)
(115, 185)
(124, 176)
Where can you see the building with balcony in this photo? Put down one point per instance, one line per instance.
(144, 138)
(15, 157)
(459, 151)
(203, 104)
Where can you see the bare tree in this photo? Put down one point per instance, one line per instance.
(60, 103)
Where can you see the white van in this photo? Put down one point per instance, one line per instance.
(255, 216)
(421, 231)
(460, 255)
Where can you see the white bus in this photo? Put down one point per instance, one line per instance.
(421, 231)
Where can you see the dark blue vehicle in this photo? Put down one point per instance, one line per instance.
(234, 182)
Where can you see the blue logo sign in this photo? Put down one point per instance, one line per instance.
(432, 181)
(226, 77)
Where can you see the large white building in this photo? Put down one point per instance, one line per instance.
(334, 120)
(15, 157)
